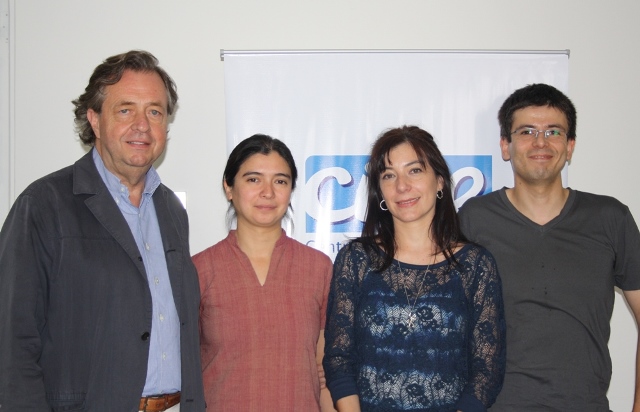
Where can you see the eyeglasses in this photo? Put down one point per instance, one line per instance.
(529, 133)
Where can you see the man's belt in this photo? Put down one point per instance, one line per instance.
(159, 403)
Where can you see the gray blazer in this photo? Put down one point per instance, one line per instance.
(75, 305)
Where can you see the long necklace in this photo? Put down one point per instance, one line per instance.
(411, 315)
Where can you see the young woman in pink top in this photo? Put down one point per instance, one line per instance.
(264, 295)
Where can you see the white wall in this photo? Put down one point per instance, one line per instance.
(56, 45)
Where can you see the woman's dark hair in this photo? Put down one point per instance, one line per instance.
(109, 73)
(262, 144)
(378, 228)
(258, 143)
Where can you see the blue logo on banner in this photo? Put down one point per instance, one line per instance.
(471, 175)
(336, 188)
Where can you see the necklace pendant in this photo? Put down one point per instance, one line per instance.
(411, 319)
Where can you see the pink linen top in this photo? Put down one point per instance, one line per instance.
(258, 342)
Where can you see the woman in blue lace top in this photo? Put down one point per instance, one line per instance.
(415, 317)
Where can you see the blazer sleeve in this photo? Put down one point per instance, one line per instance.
(25, 262)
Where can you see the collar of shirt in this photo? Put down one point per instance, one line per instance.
(121, 191)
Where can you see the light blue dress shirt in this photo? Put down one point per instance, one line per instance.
(163, 371)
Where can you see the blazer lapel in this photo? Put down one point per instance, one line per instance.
(86, 180)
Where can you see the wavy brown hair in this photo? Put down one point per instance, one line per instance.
(110, 72)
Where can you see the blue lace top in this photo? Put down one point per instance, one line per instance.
(415, 338)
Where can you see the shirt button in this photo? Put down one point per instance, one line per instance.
(161, 317)
(146, 246)
(157, 281)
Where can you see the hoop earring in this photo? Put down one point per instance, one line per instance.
(439, 194)
(383, 208)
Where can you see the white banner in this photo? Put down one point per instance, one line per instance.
(329, 107)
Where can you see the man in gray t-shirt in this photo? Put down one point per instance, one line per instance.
(560, 252)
